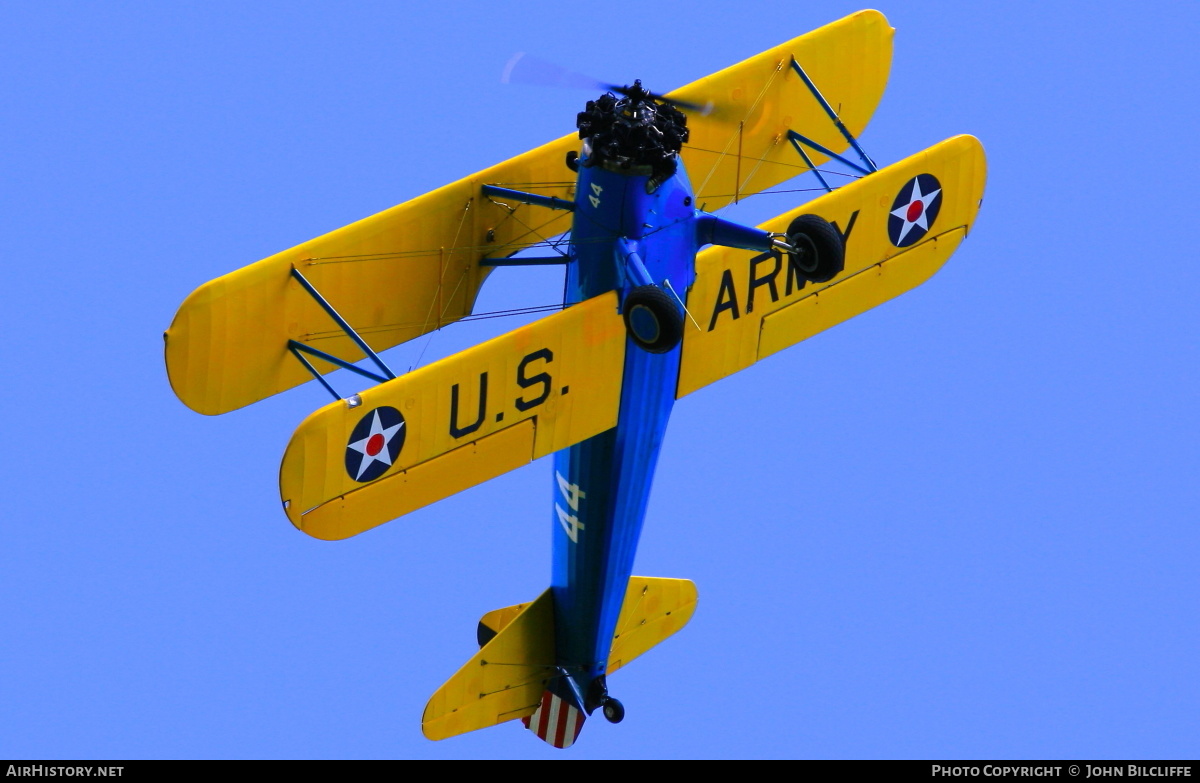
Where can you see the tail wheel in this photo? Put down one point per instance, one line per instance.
(652, 319)
(820, 254)
(614, 711)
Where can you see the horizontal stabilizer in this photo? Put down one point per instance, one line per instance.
(521, 637)
(494, 621)
(456, 423)
(899, 225)
(654, 609)
(503, 681)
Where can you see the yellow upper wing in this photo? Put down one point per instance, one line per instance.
(742, 147)
(415, 267)
(456, 423)
(751, 305)
(393, 276)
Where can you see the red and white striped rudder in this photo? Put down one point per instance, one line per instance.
(556, 720)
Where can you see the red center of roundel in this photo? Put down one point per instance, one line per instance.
(375, 445)
(914, 210)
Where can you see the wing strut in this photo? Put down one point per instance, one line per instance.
(526, 261)
(298, 348)
(792, 137)
(353, 335)
(550, 202)
(796, 137)
(836, 121)
(295, 346)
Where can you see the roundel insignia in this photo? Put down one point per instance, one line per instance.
(374, 444)
(914, 210)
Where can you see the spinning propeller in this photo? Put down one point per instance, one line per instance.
(525, 68)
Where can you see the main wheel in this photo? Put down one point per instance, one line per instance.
(820, 254)
(652, 319)
(614, 711)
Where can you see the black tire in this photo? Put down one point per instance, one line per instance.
(653, 319)
(614, 711)
(821, 254)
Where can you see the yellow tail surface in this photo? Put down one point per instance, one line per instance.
(654, 609)
(505, 680)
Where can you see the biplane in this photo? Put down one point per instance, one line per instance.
(662, 298)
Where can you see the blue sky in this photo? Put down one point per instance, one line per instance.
(961, 525)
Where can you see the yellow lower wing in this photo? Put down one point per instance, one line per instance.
(750, 305)
(456, 423)
(505, 679)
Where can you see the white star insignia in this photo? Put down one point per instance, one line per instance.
(377, 441)
(922, 202)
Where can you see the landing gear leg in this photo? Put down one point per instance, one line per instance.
(614, 711)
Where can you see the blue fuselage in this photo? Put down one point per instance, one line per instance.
(601, 485)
